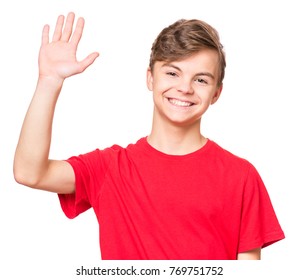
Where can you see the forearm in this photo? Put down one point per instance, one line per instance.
(32, 152)
(254, 254)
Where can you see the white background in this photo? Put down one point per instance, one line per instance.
(255, 117)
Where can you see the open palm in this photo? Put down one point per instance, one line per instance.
(57, 59)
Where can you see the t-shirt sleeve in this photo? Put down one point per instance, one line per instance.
(259, 223)
(89, 170)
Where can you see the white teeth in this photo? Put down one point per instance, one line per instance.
(179, 102)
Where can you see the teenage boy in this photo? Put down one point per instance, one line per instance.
(174, 194)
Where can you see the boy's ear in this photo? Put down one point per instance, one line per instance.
(149, 79)
(217, 94)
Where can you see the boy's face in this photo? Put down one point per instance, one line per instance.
(183, 90)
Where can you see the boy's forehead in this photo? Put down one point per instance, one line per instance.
(201, 59)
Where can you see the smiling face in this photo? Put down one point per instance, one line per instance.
(183, 90)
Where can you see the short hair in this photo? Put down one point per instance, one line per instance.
(183, 39)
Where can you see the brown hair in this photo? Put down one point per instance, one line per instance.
(184, 38)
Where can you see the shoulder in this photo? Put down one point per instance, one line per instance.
(236, 167)
(113, 151)
(230, 159)
(99, 160)
(226, 154)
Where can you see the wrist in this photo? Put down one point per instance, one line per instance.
(49, 86)
(51, 81)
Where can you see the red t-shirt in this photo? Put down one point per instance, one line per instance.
(209, 204)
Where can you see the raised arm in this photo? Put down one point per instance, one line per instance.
(57, 61)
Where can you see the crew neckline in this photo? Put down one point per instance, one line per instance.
(149, 148)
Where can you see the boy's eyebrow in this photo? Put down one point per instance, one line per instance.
(197, 74)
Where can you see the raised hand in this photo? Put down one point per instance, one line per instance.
(57, 59)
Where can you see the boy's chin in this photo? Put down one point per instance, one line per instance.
(183, 122)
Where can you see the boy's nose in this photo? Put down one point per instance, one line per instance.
(185, 86)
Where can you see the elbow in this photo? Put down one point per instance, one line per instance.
(25, 178)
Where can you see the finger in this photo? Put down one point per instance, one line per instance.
(67, 32)
(45, 35)
(88, 61)
(58, 28)
(78, 31)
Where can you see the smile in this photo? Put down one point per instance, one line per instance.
(180, 103)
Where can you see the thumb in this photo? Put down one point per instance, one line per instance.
(86, 62)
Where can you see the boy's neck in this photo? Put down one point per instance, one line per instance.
(174, 140)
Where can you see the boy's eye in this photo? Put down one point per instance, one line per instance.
(171, 74)
(201, 81)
